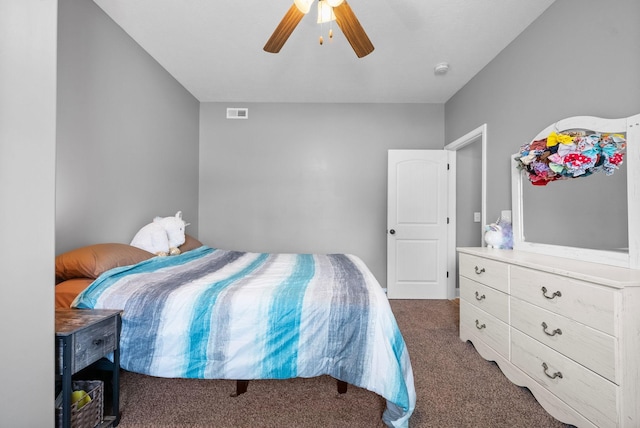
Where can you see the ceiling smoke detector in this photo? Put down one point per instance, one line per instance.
(441, 68)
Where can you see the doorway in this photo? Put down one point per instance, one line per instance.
(467, 231)
(418, 274)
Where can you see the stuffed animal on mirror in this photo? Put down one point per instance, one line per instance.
(163, 236)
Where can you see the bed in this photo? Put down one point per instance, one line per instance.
(211, 313)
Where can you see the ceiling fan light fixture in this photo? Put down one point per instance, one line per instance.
(303, 6)
(325, 12)
(334, 3)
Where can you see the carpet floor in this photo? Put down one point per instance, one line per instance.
(455, 387)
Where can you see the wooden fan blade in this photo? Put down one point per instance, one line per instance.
(352, 30)
(284, 29)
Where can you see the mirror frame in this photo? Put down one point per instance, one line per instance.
(630, 126)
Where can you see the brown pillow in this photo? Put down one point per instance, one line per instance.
(190, 243)
(67, 291)
(91, 261)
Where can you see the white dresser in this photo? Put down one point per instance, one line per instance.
(567, 330)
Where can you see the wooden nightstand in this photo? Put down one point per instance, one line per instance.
(83, 337)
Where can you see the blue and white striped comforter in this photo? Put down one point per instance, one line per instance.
(217, 314)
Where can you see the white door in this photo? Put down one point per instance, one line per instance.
(417, 224)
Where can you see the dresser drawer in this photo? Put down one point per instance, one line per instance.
(581, 301)
(91, 344)
(486, 298)
(485, 327)
(591, 395)
(591, 348)
(488, 272)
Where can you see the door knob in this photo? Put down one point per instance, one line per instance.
(393, 232)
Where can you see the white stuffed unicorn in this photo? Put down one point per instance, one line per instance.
(163, 236)
(499, 235)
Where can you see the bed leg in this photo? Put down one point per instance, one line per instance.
(342, 387)
(241, 387)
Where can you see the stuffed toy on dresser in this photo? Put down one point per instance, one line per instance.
(499, 235)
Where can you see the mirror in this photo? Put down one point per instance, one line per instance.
(589, 212)
(584, 218)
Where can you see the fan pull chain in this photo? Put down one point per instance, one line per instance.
(323, 16)
(322, 38)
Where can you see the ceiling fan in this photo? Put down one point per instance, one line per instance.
(345, 18)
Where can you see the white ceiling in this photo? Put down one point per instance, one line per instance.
(214, 48)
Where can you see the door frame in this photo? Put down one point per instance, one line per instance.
(478, 134)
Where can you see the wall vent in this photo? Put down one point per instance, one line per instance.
(237, 113)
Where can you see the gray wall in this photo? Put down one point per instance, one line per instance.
(306, 177)
(27, 162)
(579, 58)
(127, 134)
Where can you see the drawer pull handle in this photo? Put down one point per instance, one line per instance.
(479, 271)
(553, 333)
(553, 296)
(478, 297)
(480, 326)
(555, 375)
(97, 342)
